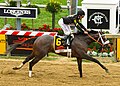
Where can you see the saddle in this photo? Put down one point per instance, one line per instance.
(60, 44)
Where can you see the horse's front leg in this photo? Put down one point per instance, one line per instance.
(79, 62)
(87, 57)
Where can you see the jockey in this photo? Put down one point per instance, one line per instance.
(73, 20)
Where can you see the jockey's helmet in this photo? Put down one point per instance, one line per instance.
(80, 13)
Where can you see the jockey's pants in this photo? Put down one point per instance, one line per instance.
(66, 28)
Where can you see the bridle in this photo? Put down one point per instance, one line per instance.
(99, 38)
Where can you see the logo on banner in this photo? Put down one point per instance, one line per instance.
(98, 18)
(16, 12)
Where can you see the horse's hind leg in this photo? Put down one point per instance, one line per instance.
(34, 61)
(28, 58)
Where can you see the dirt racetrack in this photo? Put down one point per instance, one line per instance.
(60, 72)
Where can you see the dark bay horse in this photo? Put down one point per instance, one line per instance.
(44, 44)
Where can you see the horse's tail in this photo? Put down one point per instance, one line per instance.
(14, 46)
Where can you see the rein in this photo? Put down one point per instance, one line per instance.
(95, 40)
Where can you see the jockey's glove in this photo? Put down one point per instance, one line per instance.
(85, 32)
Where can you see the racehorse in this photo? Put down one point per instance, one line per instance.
(44, 44)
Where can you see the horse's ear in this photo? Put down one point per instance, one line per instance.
(101, 32)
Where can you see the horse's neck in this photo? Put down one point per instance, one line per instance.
(84, 38)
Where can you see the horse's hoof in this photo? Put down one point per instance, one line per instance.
(15, 68)
(107, 71)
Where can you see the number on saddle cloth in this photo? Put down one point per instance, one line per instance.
(59, 42)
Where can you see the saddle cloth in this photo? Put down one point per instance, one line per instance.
(59, 46)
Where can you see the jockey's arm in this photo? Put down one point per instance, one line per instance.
(85, 29)
(80, 26)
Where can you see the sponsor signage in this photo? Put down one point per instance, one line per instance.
(14, 12)
(118, 49)
(98, 18)
(2, 44)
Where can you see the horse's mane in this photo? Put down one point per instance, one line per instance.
(93, 32)
(90, 32)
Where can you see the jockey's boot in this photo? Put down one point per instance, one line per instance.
(68, 39)
(66, 42)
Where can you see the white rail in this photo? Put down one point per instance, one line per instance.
(41, 6)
